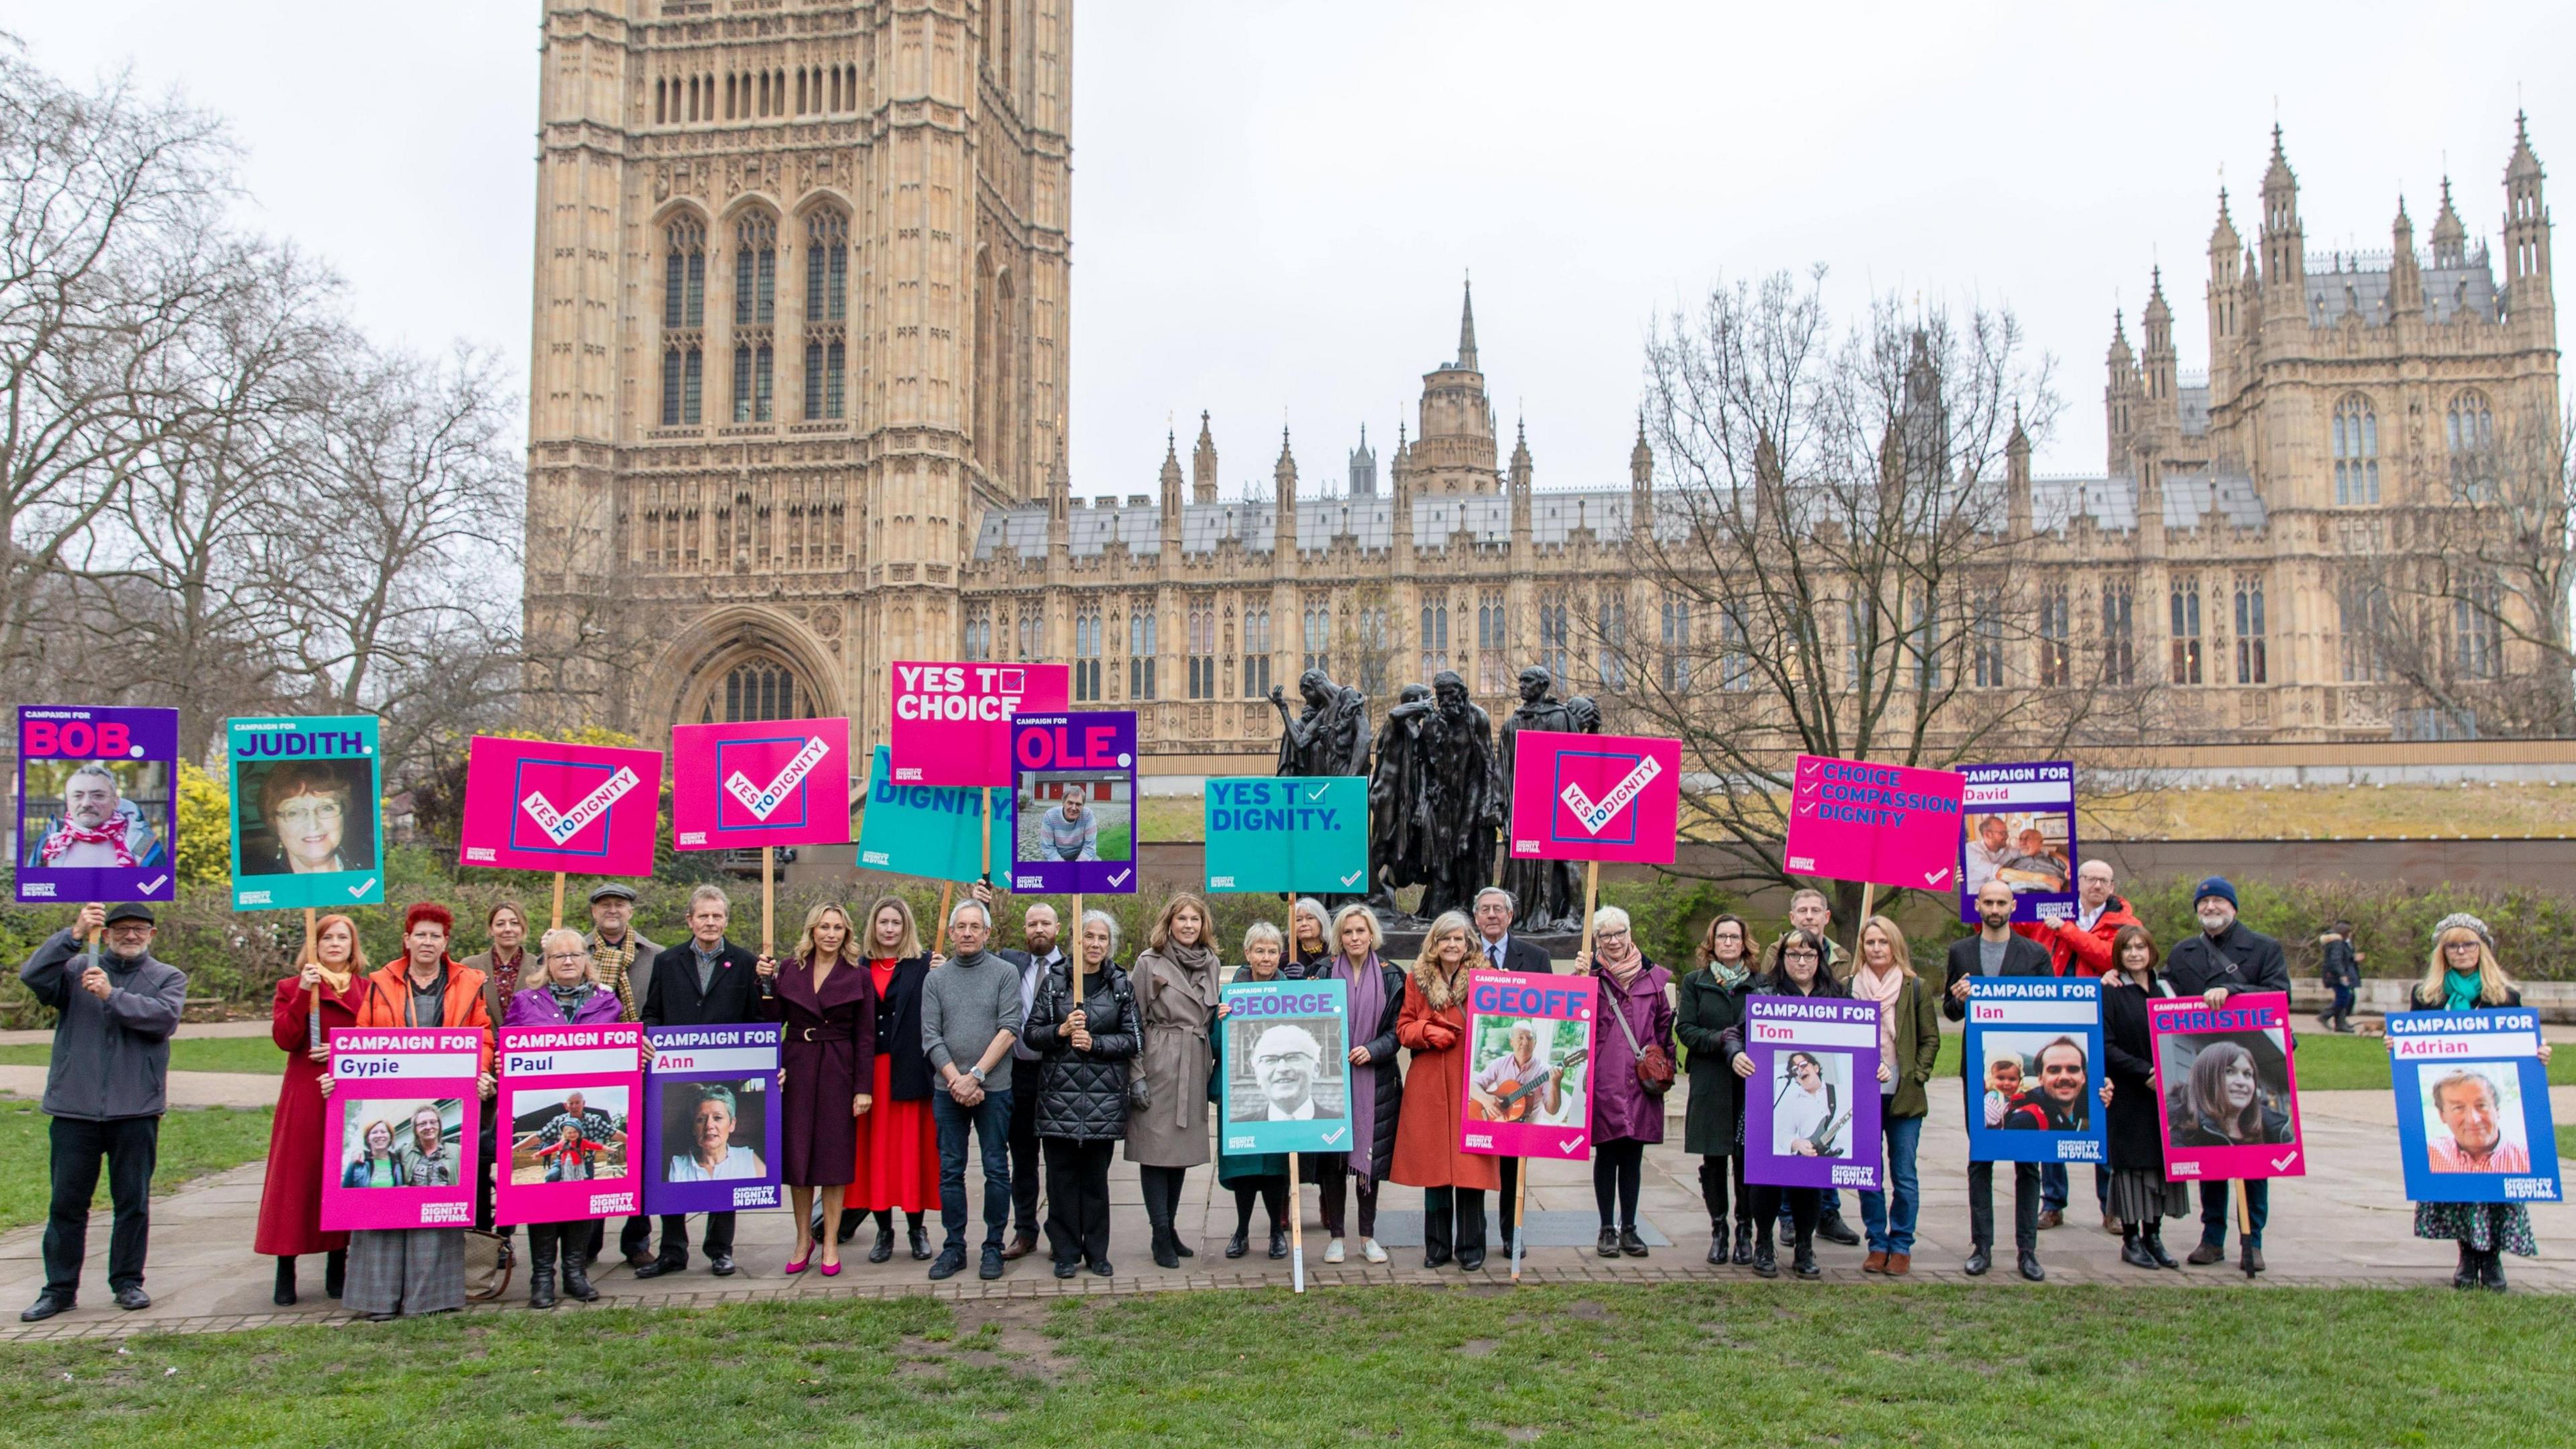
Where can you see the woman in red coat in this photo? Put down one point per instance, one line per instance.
(290, 1200)
(828, 1059)
(1433, 1027)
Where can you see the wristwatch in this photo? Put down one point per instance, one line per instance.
(977, 1073)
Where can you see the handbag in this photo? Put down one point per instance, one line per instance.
(490, 1261)
(1654, 1064)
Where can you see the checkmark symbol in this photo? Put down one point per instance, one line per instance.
(561, 826)
(2281, 1164)
(1570, 1143)
(153, 884)
(1592, 814)
(1318, 792)
(760, 800)
(1807, 807)
(1120, 878)
(1809, 767)
(1354, 877)
(362, 887)
(1333, 1136)
(1935, 877)
(1810, 787)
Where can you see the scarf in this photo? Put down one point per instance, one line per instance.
(568, 999)
(1868, 985)
(1440, 988)
(1198, 968)
(112, 835)
(2460, 990)
(1727, 976)
(1368, 1008)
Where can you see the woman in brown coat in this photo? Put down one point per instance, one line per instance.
(1176, 994)
(1433, 1027)
(828, 1005)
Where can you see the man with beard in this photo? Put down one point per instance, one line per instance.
(103, 1092)
(2226, 958)
(1996, 950)
(1462, 796)
(1331, 737)
(2057, 1103)
(99, 831)
(1550, 900)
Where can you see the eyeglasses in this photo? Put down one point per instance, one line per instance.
(553, 956)
(1610, 935)
(301, 813)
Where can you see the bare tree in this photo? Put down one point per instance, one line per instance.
(105, 202)
(1835, 563)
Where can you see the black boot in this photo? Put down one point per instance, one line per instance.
(2466, 1275)
(1764, 1263)
(1981, 1257)
(1278, 1241)
(576, 1278)
(335, 1271)
(1805, 1264)
(1743, 1241)
(1164, 1245)
(1717, 1243)
(285, 1295)
(541, 1270)
(918, 1236)
(2491, 1271)
(1240, 1243)
(2248, 1256)
(2134, 1252)
(2152, 1237)
(1833, 1229)
(884, 1247)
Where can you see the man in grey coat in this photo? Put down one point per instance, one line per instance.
(104, 1092)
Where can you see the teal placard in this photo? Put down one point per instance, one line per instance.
(1298, 833)
(1285, 1060)
(308, 812)
(928, 830)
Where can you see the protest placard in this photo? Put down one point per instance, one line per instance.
(545, 805)
(926, 830)
(1811, 1105)
(2035, 1069)
(1284, 1062)
(1889, 825)
(710, 1118)
(1288, 833)
(568, 1139)
(1073, 803)
(97, 803)
(2473, 1116)
(308, 816)
(2019, 828)
(2227, 1092)
(404, 1121)
(1595, 797)
(760, 782)
(951, 723)
(1529, 1065)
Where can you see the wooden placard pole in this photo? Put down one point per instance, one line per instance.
(939, 938)
(313, 997)
(768, 898)
(557, 923)
(1296, 1231)
(2244, 1224)
(1868, 904)
(1075, 955)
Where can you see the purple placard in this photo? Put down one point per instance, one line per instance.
(98, 790)
(1073, 794)
(2020, 829)
(694, 1072)
(567, 1123)
(403, 1128)
(1811, 1105)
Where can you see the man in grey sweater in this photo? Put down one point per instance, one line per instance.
(970, 1015)
(104, 1092)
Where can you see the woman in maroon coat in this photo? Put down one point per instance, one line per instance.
(290, 1200)
(829, 1006)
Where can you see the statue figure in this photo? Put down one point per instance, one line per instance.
(1331, 737)
(1461, 796)
(1549, 892)
(1399, 831)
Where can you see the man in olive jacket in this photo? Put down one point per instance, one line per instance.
(104, 1092)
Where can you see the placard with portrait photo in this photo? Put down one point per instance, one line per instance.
(570, 1137)
(97, 803)
(308, 817)
(2473, 1114)
(404, 1124)
(2227, 1087)
(1811, 1107)
(1284, 1066)
(711, 1122)
(2035, 1069)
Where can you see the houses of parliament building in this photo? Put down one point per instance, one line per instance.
(799, 385)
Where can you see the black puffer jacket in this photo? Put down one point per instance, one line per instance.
(1082, 1095)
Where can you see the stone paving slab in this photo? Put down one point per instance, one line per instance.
(2346, 1224)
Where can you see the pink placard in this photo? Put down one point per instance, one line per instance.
(952, 722)
(770, 782)
(1528, 1066)
(540, 805)
(2227, 1087)
(1595, 797)
(1888, 824)
(570, 1145)
(402, 1137)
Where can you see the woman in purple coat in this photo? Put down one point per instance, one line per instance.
(567, 993)
(1625, 1116)
(829, 1007)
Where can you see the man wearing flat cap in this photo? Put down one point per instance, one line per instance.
(117, 1008)
(625, 961)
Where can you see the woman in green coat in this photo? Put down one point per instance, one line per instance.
(1909, 1037)
(1712, 1000)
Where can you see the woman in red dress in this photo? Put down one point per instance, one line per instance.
(898, 1147)
(290, 1200)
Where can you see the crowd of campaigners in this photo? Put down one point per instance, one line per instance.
(896, 1059)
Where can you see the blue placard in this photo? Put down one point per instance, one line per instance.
(1288, 833)
(2035, 1069)
(711, 1114)
(2473, 1119)
(928, 830)
(1284, 1057)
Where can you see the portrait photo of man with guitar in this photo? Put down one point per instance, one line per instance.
(1516, 1086)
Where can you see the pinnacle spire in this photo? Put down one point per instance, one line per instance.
(1467, 331)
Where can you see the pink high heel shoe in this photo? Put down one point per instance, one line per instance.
(831, 1270)
(798, 1266)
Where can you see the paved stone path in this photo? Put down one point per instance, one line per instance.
(2344, 1224)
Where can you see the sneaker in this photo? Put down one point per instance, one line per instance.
(1333, 1251)
(1608, 1246)
(2205, 1254)
(1631, 1244)
(1371, 1251)
(951, 1261)
(991, 1267)
(1834, 1230)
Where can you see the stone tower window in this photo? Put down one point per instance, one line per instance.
(2469, 430)
(684, 315)
(2356, 451)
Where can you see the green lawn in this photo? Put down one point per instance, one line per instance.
(194, 1143)
(1739, 1364)
(187, 1054)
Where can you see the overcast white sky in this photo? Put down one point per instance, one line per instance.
(1274, 202)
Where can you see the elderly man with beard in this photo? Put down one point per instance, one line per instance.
(103, 1092)
(97, 831)
(2226, 958)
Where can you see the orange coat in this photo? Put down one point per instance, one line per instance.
(1435, 1089)
(388, 1000)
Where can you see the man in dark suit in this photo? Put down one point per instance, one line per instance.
(2227, 957)
(1995, 951)
(1505, 952)
(1042, 931)
(704, 981)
